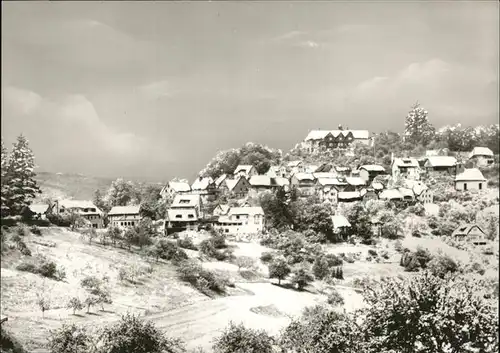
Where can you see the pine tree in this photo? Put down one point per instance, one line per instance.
(20, 177)
(5, 191)
(418, 130)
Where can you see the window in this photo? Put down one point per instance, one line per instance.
(465, 186)
(178, 216)
(133, 223)
(237, 217)
(121, 223)
(480, 186)
(184, 201)
(190, 216)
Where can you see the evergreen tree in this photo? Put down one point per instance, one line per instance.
(20, 177)
(4, 182)
(99, 201)
(418, 130)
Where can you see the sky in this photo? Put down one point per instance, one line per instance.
(154, 89)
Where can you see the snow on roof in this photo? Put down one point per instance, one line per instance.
(282, 181)
(321, 134)
(186, 201)
(294, 164)
(377, 186)
(181, 215)
(272, 172)
(340, 221)
(121, 210)
(391, 194)
(201, 184)
(466, 229)
(324, 175)
(246, 211)
(406, 162)
(304, 176)
(472, 174)
(372, 168)
(406, 192)
(260, 180)
(441, 161)
(39, 208)
(349, 195)
(356, 181)
(481, 151)
(220, 179)
(179, 186)
(331, 181)
(243, 168)
(77, 204)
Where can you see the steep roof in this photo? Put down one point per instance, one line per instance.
(468, 230)
(224, 208)
(272, 171)
(340, 221)
(406, 162)
(122, 210)
(481, 151)
(231, 183)
(202, 184)
(184, 214)
(321, 134)
(186, 200)
(80, 204)
(260, 180)
(304, 176)
(472, 174)
(220, 179)
(356, 181)
(39, 208)
(372, 168)
(391, 194)
(179, 186)
(441, 161)
(243, 168)
(246, 211)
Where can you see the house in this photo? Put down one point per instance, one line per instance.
(124, 216)
(324, 175)
(438, 152)
(238, 187)
(407, 168)
(482, 156)
(341, 225)
(391, 195)
(39, 211)
(218, 182)
(185, 213)
(470, 232)
(261, 183)
(221, 210)
(246, 171)
(354, 183)
(440, 164)
(311, 168)
(470, 179)
(327, 188)
(349, 196)
(426, 196)
(407, 194)
(205, 187)
(304, 182)
(370, 171)
(422, 193)
(173, 188)
(345, 171)
(318, 140)
(294, 167)
(242, 220)
(85, 209)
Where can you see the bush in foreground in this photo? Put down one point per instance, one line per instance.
(202, 279)
(238, 338)
(9, 344)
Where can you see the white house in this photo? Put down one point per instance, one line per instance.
(246, 171)
(407, 168)
(184, 213)
(441, 164)
(175, 187)
(124, 216)
(317, 140)
(304, 182)
(470, 179)
(221, 210)
(294, 167)
(483, 156)
(242, 220)
(84, 208)
(370, 171)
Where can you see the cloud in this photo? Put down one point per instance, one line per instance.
(309, 44)
(22, 101)
(157, 89)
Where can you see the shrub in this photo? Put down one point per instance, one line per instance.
(237, 338)
(334, 298)
(302, 277)
(267, 257)
(21, 230)
(26, 267)
(186, 243)
(70, 339)
(9, 344)
(23, 248)
(441, 265)
(384, 254)
(59, 220)
(48, 269)
(200, 278)
(372, 253)
(35, 230)
(349, 259)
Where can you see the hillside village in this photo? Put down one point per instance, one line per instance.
(259, 236)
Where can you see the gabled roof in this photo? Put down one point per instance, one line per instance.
(186, 200)
(324, 175)
(246, 211)
(340, 222)
(438, 152)
(260, 180)
(281, 181)
(77, 204)
(406, 192)
(481, 151)
(243, 168)
(349, 195)
(202, 184)
(231, 183)
(441, 161)
(122, 210)
(293, 164)
(418, 187)
(311, 168)
(472, 174)
(272, 172)
(468, 230)
(372, 168)
(331, 181)
(406, 162)
(391, 194)
(304, 176)
(39, 208)
(179, 186)
(224, 208)
(355, 181)
(321, 134)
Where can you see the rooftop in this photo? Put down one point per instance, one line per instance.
(179, 186)
(472, 174)
(321, 134)
(406, 162)
(340, 221)
(186, 200)
(372, 168)
(441, 161)
(122, 210)
(481, 151)
(246, 211)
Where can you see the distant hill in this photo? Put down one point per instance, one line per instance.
(63, 185)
